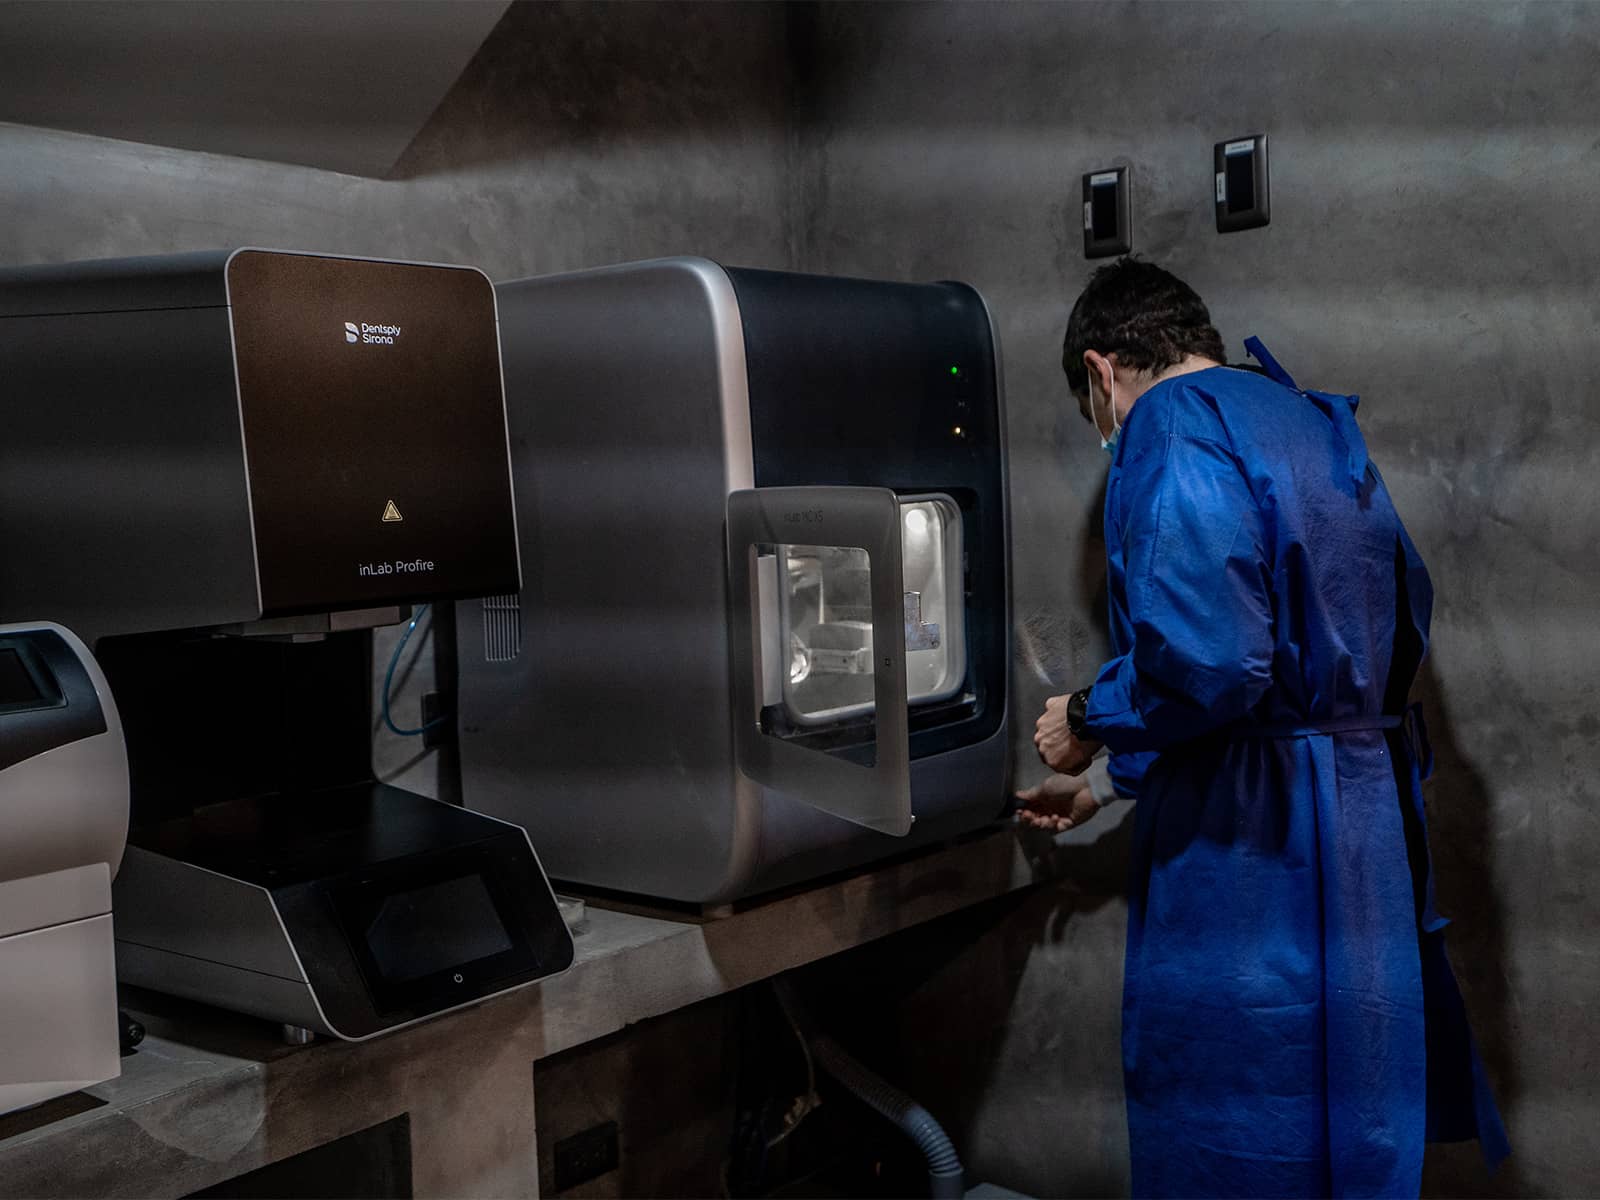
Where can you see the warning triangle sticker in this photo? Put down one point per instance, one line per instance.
(391, 513)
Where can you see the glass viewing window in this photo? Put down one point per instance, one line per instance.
(824, 618)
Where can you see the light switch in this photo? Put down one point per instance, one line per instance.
(1242, 198)
(1107, 213)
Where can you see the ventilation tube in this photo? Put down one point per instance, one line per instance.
(946, 1178)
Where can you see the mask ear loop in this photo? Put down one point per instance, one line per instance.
(1116, 426)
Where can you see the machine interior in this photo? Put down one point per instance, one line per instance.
(820, 636)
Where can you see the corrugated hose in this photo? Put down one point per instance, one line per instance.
(946, 1177)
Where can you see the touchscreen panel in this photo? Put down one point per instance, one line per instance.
(419, 933)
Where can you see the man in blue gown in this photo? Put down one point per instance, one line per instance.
(1290, 1023)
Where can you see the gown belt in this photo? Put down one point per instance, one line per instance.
(1416, 731)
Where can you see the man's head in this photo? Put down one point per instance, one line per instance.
(1132, 325)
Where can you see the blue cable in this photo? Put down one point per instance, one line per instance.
(388, 681)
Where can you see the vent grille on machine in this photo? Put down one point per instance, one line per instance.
(502, 628)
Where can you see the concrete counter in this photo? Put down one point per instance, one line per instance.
(210, 1096)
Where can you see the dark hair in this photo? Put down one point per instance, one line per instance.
(1148, 317)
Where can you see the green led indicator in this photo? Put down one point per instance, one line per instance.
(955, 370)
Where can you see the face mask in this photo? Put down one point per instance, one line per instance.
(1108, 444)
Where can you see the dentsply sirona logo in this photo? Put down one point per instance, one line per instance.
(371, 335)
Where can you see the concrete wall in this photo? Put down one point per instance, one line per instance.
(580, 134)
(1434, 247)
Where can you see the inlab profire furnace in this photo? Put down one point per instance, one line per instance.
(222, 469)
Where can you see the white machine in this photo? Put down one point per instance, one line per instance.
(64, 813)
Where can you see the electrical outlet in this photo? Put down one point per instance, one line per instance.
(585, 1156)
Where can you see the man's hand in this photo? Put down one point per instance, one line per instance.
(1054, 740)
(1058, 804)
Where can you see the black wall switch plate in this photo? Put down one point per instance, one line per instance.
(1107, 213)
(1243, 200)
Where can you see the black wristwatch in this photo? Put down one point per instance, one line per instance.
(1078, 712)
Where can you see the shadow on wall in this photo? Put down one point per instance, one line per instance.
(600, 77)
(1057, 646)
(1459, 831)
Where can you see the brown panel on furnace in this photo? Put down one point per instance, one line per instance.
(374, 428)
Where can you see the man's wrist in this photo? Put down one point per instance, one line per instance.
(1078, 713)
(1098, 779)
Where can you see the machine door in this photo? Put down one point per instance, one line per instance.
(818, 587)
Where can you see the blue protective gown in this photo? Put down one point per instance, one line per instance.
(1291, 1026)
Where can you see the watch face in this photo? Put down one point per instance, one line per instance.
(1077, 711)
